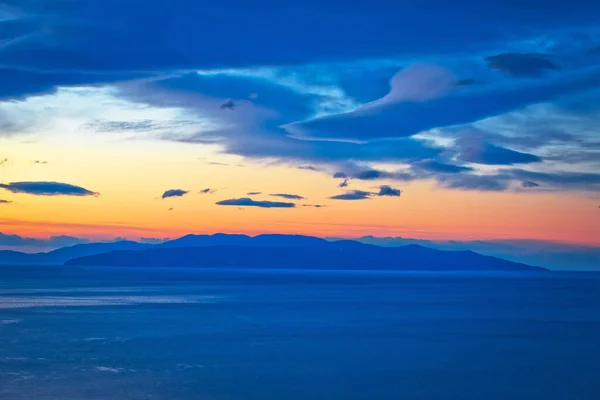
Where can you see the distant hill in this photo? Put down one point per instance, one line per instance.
(346, 255)
(552, 255)
(62, 255)
(262, 251)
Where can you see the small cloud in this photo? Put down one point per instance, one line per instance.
(3, 162)
(47, 189)
(171, 209)
(228, 105)
(248, 202)
(529, 184)
(308, 167)
(39, 162)
(217, 163)
(344, 183)
(370, 174)
(207, 191)
(253, 193)
(314, 205)
(339, 175)
(287, 196)
(5, 201)
(522, 64)
(353, 195)
(174, 193)
(466, 82)
(385, 190)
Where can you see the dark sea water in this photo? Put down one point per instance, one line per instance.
(119, 334)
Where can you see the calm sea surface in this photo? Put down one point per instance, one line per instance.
(121, 334)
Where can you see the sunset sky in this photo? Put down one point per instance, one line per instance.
(145, 119)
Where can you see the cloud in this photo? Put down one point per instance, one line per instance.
(228, 105)
(497, 182)
(253, 193)
(385, 190)
(42, 162)
(287, 196)
(174, 193)
(47, 189)
(110, 44)
(434, 166)
(519, 64)
(560, 179)
(340, 175)
(207, 191)
(3, 162)
(248, 202)
(466, 82)
(474, 149)
(353, 195)
(314, 205)
(343, 184)
(5, 201)
(529, 184)
(403, 119)
(307, 168)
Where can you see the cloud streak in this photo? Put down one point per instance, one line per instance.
(353, 195)
(248, 202)
(174, 193)
(287, 196)
(47, 189)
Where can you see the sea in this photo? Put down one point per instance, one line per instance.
(78, 333)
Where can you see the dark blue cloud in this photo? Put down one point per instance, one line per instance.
(248, 202)
(17, 84)
(253, 193)
(520, 64)
(394, 119)
(287, 196)
(385, 190)
(529, 184)
(47, 189)
(353, 195)
(494, 183)
(560, 179)
(439, 167)
(495, 155)
(235, 34)
(207, 191)
(174, 193)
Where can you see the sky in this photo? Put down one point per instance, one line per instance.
(427, 119)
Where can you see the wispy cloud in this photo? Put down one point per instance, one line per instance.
(353, 195)
(174, 193)
(248, 202)
(47, 189)
(287, 196)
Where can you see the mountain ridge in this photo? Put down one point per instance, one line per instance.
(264, 251)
